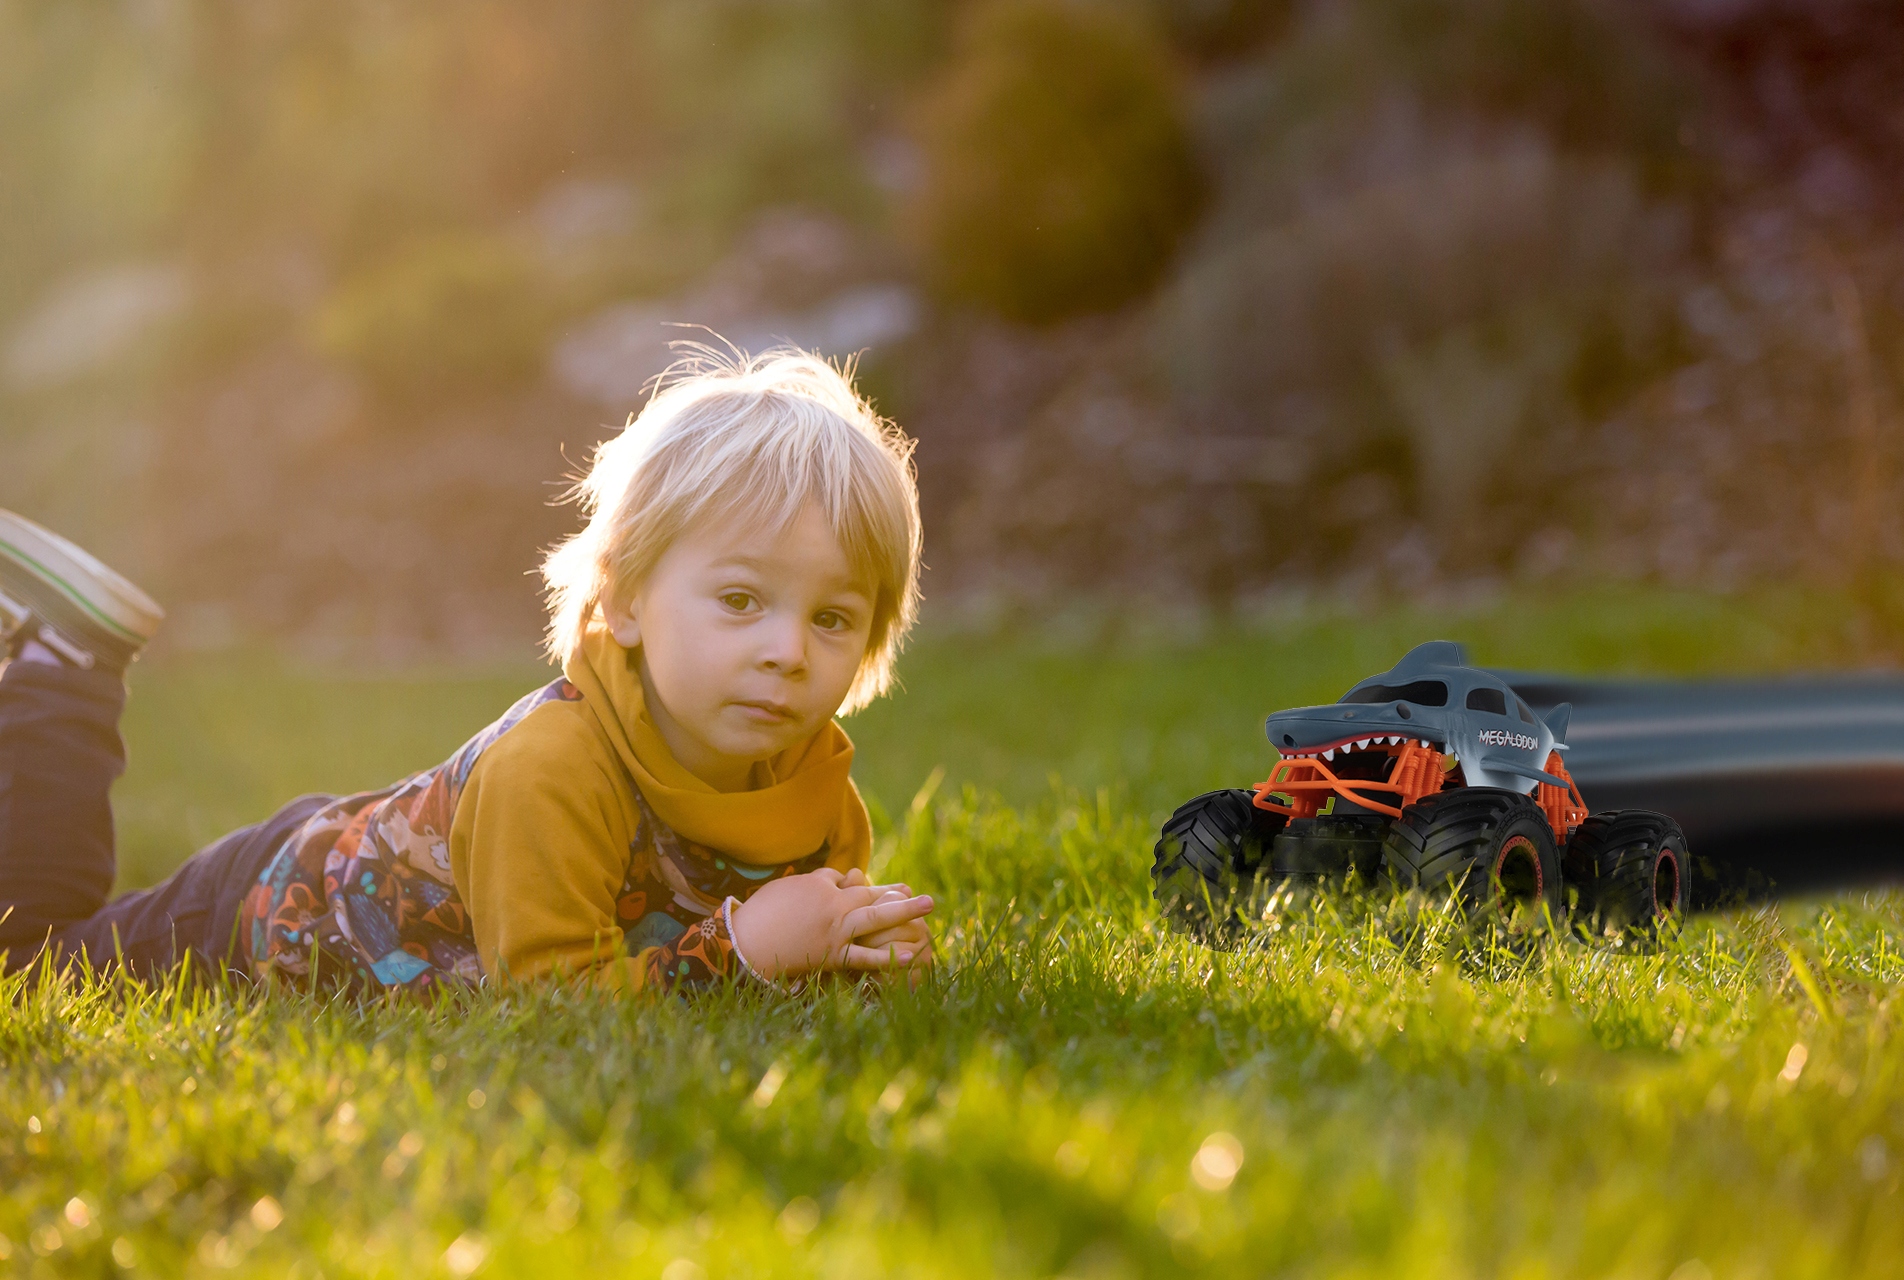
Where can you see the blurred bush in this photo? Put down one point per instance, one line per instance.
(1061, 172)
(754, 103)
(1592, 75)
(440, 315)
(1481, 287)
(97, 141)
(1215, 29)
(1464, 398)
(1357, 290)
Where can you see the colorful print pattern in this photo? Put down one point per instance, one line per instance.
(362, 895)
(701, 956)
(674, 883)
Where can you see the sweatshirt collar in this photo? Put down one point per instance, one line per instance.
(796, 796)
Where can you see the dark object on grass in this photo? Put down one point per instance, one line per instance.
(1435, 776)
(1481, 840)
(1218, 848)
(1636, 862)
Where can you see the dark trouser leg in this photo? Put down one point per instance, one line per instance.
(195, 914)
(59, 754)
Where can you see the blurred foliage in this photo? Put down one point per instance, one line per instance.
(1488, 225)
(97, 141)
(348, 130)
(1460, 234)
(1303, 278)
(756, 102)
(1219, 29)
(1588, 73)
(1061, 170)
(1476, 288)
(446, 313)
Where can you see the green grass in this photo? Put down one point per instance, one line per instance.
(1405, 1102)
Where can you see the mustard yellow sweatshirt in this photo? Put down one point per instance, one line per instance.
(564, 839)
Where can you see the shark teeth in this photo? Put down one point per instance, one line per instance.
(1360, 744)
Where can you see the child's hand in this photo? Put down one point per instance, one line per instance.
(913, 936)
(801, 924)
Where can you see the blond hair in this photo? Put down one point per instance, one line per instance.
(756, 439)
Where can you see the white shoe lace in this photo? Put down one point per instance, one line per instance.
(16, 618)
(13, 619)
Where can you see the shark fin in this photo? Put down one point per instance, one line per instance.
(1558, 719)
(1433, 653)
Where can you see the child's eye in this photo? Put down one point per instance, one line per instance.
(832, 620)
(738, 601)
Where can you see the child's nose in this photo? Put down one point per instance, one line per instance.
(785, 648)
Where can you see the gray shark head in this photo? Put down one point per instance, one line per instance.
(1433, 697)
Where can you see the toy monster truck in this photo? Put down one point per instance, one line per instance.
(1432, 776)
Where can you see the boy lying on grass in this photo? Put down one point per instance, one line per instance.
(675, 811)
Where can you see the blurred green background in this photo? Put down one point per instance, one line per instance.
(306, 310)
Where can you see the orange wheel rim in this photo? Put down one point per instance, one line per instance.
(1666, 872)
(1517, 853)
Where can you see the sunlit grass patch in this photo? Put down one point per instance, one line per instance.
(1353, 1091)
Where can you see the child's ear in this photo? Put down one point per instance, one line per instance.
(623, 621)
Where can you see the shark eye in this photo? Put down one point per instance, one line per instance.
(1401, 709)
(1289, 740)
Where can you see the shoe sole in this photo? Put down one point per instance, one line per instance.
(73, 592)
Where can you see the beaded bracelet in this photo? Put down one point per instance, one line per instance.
(727, 921)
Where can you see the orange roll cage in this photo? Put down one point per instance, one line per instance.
(1308, 783)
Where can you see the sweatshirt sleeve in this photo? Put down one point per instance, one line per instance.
(539, 850)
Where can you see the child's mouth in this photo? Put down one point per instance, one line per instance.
(768, 712)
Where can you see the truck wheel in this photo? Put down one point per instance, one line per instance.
(1630, 867)
(1209, 857)
(1491, 847)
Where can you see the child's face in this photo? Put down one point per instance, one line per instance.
(749, 641)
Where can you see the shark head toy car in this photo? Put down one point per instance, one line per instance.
(1435, 776)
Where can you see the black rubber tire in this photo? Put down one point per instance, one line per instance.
(1631, 869)
(1209, 859)
(1492, 847)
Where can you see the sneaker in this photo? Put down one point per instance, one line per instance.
(53, 592)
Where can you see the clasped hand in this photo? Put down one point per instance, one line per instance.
(828, 920)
